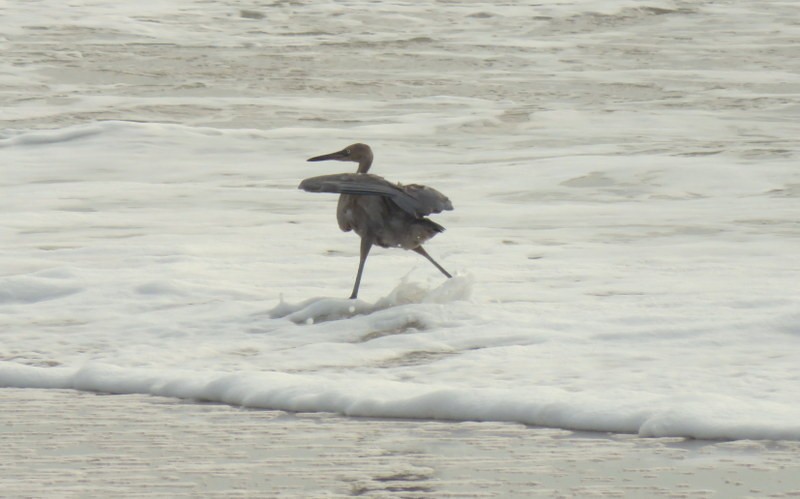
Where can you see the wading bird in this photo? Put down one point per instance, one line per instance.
(389, 215)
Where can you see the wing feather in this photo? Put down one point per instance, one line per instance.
(416, 200)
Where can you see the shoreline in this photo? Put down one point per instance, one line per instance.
(64, 443)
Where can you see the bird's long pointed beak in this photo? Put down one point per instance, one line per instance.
(338, 155)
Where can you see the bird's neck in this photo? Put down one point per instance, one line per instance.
(363, 166)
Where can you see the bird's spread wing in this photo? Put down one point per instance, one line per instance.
(416, 200)
(426, 199)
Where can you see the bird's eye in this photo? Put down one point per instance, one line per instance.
(347, 152)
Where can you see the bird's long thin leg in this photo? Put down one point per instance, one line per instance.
(366, 244)
(421, 251)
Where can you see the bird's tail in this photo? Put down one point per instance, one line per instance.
(420, 231)
(433, 225)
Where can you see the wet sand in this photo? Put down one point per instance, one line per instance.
(71, 444)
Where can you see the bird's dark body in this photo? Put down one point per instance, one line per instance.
(377, 218)
(380, 212)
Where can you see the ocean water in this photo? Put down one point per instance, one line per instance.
(624, 242)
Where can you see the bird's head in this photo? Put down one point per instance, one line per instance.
(358, 153)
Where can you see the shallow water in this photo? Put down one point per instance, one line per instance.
(137, 446)
(624, 239)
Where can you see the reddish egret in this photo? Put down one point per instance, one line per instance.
(380, 212)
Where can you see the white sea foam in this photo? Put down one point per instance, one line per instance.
(624, 237)
(699, 416)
